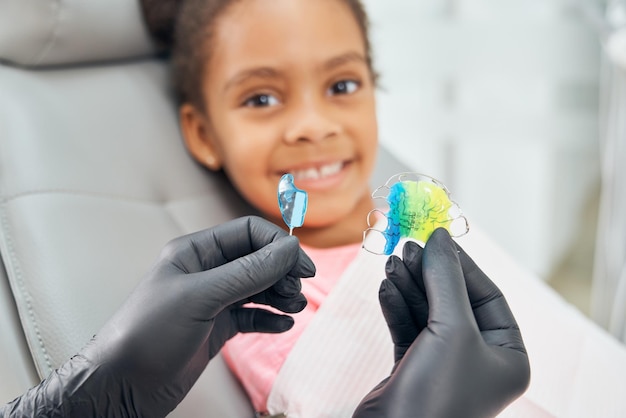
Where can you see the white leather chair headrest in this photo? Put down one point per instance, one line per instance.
(61, 32)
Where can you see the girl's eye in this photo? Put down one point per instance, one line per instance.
(344, 87)
(261, 100)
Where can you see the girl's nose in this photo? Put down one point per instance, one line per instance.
(312, 122)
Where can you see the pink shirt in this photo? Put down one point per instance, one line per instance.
(256, 358)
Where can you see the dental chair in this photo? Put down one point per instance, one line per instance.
(94, 180)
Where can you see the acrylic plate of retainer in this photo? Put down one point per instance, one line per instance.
(413, 206)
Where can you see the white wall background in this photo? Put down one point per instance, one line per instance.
(498, 99)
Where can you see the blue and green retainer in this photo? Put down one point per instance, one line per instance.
(416, 210)
(418, 204)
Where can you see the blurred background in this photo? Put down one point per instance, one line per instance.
(501, 100)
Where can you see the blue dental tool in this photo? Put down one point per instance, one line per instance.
(292, 202)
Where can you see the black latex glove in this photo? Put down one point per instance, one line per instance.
(151, 352)
(458, 349)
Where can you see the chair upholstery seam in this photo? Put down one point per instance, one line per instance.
(16, 196)
(168, 209)
(14, 262)
(53, 34)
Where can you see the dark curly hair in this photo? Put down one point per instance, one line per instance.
(180, 26)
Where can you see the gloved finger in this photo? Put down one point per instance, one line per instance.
(403, 279)
(244, 277)
(260, 320)
(289, 286)
(491, 310)
(285, 295)
(445, 285)
(259, 233)
(230, 322)
(397, 313)
(204, 250)
(412, 258)
(288, 304)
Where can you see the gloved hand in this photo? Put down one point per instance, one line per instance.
(458, 349)
(151, 352)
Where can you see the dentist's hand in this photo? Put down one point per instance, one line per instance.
(458, 349)
(151, 352)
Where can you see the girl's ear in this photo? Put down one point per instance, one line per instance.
(196, 133)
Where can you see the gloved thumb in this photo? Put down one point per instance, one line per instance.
(444, 283)
(246, 276)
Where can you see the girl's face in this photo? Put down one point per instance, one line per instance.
(288, 90)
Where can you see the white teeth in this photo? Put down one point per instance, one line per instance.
(311, 173)
(318, 173)
(329, 170)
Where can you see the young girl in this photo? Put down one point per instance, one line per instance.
(274, 87)
(269, 87)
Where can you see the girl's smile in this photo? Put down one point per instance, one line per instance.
(319, 176)
(318, 172)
